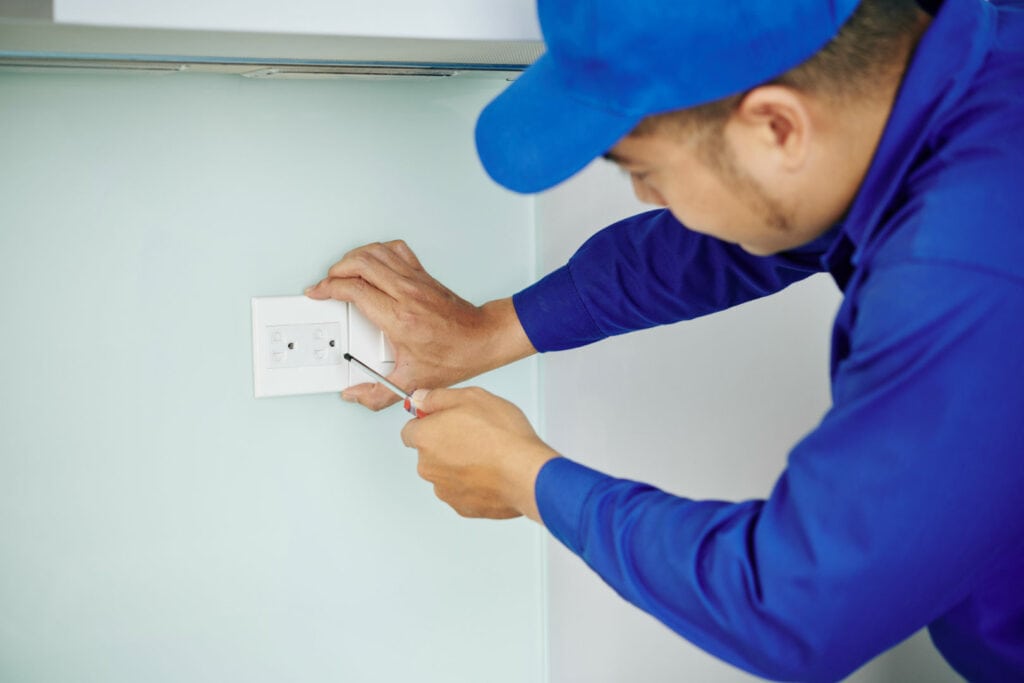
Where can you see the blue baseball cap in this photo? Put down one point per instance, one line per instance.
(610, 63)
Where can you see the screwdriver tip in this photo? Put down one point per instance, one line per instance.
(348, 356)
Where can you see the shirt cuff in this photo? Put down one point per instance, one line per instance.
(553, 314)
(562, 489)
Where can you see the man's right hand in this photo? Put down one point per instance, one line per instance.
(439, 338)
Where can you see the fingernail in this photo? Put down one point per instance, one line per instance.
(419, 396)
(348, 397)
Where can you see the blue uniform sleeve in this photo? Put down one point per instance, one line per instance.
(650, 270)
(887, 514)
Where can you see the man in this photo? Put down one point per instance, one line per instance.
(880, 141)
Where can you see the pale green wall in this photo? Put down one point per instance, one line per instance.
(157, 523)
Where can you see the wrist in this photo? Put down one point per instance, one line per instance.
(501, 339)
(522, 479)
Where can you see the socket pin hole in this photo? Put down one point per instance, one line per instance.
(291, 345)
(332, 343)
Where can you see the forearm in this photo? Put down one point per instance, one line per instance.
(650, 270)
(499, 338)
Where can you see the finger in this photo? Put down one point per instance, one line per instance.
(393, 255)
(348, 266)
(402, 250)
(409, 432)
(377, 265)
(318, 291)
(371, 302)
(358, 253)
(418, 399)
(436, 400)
(370, 395)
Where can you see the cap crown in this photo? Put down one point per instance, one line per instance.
(639, 57)
(610, 63)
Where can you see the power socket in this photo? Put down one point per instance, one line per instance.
(298, 346)
(302, 346)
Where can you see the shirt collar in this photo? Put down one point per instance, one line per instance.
(943, 65)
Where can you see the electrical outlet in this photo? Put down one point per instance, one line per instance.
(298, 346)
(303, 346)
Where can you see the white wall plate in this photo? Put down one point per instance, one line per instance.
(298, 346)
(367, 343)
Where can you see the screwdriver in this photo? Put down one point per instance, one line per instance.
(409, 407)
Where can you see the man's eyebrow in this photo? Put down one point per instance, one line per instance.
(614, 158)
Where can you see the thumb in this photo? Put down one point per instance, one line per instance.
(373, 395)
(435, 400)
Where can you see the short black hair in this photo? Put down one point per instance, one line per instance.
(866, 47)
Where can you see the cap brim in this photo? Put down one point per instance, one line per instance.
(534, 135)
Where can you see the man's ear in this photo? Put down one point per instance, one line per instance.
(773, 121)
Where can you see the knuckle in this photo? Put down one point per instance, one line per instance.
(406, 318)
(338, 269)
(409, 289)
(364, 259)
(348, 254)
(375, 249)
(405, 252)
(354, 263)
(350, 258)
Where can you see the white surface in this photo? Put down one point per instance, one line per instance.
(366, 342)
(441, 19)
(705, 409)
(292, 351)
(291, 346)
(158, 523)
(240, 52)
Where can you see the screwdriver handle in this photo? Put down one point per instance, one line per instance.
(413, 410)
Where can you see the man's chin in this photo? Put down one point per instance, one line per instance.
(756, 250)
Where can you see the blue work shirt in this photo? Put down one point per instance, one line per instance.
(904, 507)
